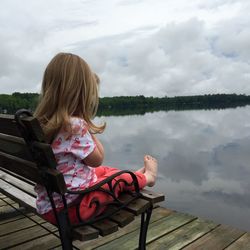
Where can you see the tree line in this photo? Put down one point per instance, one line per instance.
(125, 105)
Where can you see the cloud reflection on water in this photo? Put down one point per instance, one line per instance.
(203, 158)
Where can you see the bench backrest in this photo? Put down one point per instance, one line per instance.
(31, 160)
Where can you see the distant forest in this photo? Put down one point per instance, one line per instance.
(125, 105)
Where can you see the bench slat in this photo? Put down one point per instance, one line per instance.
(8, 125)
(152, 196)
(18, 195)
(15, 146)
(105, 227)
(27, 188)
(17, 176)
(29, 170)
(19, 166)
(85, 233)
(122, 217)
(137, 206)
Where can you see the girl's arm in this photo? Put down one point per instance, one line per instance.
(98, 145)
(95, 158)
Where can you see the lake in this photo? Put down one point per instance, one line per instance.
(203, 156)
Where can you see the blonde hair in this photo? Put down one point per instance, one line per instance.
(69, 88)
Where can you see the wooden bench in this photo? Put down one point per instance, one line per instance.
(27, 159)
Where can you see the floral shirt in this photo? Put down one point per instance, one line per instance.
(70, 150)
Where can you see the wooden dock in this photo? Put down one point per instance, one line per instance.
(168, 230)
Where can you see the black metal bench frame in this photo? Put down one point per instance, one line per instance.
(42, 154)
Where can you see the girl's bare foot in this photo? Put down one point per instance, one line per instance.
(141, 170)
(151, 169)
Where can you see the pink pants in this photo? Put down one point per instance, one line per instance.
(86, 211)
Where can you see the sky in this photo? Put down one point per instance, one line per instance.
(137, 47)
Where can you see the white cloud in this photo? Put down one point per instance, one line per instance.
(140, 47)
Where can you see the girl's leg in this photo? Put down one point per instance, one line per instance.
(71, 212)
(88, 205)
(145, 176)
(103, 172)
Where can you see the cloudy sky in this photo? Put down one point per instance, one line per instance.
(149, 47)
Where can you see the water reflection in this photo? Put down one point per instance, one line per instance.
(203, 158)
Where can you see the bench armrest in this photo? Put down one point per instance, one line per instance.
(109, 182)
(115, 202)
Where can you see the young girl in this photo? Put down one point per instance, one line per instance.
(68, 103)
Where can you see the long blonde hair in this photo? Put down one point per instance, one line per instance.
(69, 88)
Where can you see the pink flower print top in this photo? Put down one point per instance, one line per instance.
(70, 150)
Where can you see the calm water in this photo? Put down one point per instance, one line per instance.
(204, 158)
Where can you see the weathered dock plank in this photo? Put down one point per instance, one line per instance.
(58, 248)
(184, 235)
(27, 234)
(36, 218)
(167, 230)
(22, 223)
(8, 211)
(2, 196)
(243, 243)
(13, 218)
(161, 227)
(6, 208)
(16, 225)
(8, 200)
(158, 214)
(220, 238)
(46, 242)
(19, 237)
